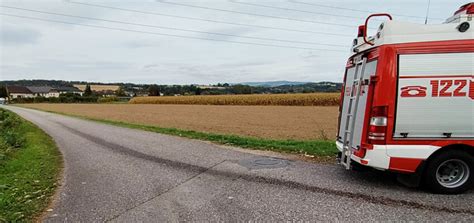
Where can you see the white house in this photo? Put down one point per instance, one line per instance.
(47, 92)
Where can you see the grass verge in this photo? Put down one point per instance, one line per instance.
(317, 148)
(30, 165)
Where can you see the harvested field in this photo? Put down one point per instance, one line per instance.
(97, 87)
(313, 99)
(270, 122)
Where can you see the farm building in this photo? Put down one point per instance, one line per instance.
(47, 92)
(19, 92)
(70, 90)
(44, 91)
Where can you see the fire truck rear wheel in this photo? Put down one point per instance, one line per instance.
(450, 172)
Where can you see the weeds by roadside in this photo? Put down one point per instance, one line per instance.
(10, 138)
(29, 168)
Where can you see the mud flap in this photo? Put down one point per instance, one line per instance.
(412, 180)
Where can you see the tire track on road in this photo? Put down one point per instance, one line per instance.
(259, 179)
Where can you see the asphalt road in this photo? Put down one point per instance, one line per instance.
(125, 175)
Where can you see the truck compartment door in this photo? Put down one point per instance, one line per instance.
(435, 96)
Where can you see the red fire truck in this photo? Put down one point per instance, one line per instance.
(407, 101)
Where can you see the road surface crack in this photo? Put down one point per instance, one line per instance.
(164, 192)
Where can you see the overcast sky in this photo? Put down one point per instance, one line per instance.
(32, 49)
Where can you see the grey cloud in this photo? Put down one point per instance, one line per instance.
(18, 36)
(86, 65)
(64, 51)
(231, 33)
(139, 44)
(244, 64)
(149, 66)
(309, 55)
(206, 67)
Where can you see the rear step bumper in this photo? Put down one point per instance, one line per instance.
(399, 158)
(376, 157)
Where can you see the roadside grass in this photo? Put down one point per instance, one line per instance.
(324, 149)
(29, 169)
(315, 148)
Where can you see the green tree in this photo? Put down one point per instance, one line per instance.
(241, 89)
(88, 90)
(120, 92)
(3, 92)
(197, 91)
(154, 90)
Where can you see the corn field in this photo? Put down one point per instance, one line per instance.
(312, 99)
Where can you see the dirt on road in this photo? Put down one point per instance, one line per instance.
(272, 122)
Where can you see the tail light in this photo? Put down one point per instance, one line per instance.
(378, 125)
(360, 152)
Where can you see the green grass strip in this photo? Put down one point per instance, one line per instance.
(320, 148)
(28, 174)
(317, 148)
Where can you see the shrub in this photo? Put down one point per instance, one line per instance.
(9, 125)
(64, 98)
(107, 99)
(13, 139)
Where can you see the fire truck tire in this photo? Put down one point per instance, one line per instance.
(450, 172)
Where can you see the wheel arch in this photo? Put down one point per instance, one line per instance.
(458, 146)
(427, 175)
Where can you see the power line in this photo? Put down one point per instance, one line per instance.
(427, 12)
(208, 20)
(166, 34)
(172, 28)
(255, 14)
(295, 10)
(352, 9)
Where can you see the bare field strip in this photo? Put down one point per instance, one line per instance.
(270, 122)
(309, 99)
(98, 87)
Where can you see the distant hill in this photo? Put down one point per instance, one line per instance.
(273, 83)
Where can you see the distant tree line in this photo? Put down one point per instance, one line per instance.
(222, 89)
(51, 83)
(130, 89)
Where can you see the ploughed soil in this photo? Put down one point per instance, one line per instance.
(271, 122)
